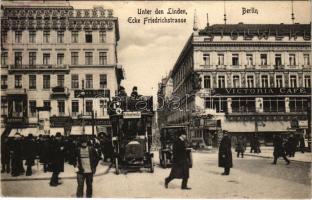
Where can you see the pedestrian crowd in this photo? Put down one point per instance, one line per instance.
(19, 152)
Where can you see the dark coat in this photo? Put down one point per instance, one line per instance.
(278, 147)
(94, 159)
(180, 161)
(240, 146)
(30, 151)
(56, 156)
(44, 150)
(225, 153)
(5, 151)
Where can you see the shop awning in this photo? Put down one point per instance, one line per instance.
(77, 130)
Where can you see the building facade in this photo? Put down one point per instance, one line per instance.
(245, 78)
(57, 64)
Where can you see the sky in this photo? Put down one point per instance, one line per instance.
(148, 52)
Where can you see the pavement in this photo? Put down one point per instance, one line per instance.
(267, 152)
(39, 174)
(251, 177)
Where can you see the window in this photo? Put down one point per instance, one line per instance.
(32, 58)
(279, 81)
(264, 59)
(4, 106)
(88, 37)
(18, 36)
(207, 82)
(61, 107)
(74, 81)
(18, 81)
(250, 81)
(243, 104)
(32, 81)
(89, 107)
(32, 108)
(103, 81)
(60, 58)
(46, 36)
(4, 36)
(249, 59)
(60, 36)
(297, 104)
(46, 58)
(103, 58)
(293, 80)
(216, 103)
(235, 60)
(47, 104)
(306, 59)
(4, 58)
(292, 59)
(75, 37)
(102, 36)
(75, 108)
(32, 36)
(74, 58)
(264, 81)
(4, 82)
(60, 80)
(89, 58)
(206, 59)
(46, 81)
(221, 81)
(307, 81)
(278, 59)
(18, 58)
(236, 81)
(273, 104)
(89, 81)
(220, 59)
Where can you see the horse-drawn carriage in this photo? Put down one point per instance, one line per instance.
(131, 120)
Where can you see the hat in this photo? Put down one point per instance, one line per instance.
(58, 134)
(135, 88)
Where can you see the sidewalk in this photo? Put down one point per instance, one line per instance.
(267, 152)
(38, 174)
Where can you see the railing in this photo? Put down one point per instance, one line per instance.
(37, 67)
(59, 91)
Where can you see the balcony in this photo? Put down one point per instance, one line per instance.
(38, 68)
(16, 120)
(60, 92)
(4, 87)
(279, 67)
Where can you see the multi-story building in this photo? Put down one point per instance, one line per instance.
(164, 94)
(57, 64)
(255, 78)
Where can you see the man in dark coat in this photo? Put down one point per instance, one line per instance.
(5, 155)
(180, 163)
(57, 159)
(279, 150)
(85, 160)
(240, 147)
(301, 143)
(17, 157)
(44, 152)
(30, 153)
(225, 154)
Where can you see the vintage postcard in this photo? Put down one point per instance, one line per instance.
(156, 99)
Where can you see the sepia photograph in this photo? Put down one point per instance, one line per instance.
(156, 99)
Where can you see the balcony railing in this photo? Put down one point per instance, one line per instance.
(60, 92)
(13, 68)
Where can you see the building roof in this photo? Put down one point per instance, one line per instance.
(272, 29)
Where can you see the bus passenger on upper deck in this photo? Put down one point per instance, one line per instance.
(134, 93)
(122, 92)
